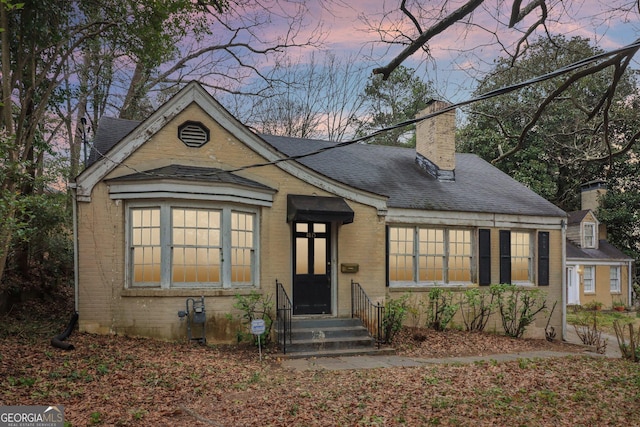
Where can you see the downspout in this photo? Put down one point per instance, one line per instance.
(75, 246)
(563, 226)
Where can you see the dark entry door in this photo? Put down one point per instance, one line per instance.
(312, 268)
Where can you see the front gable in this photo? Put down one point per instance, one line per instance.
(159, 142)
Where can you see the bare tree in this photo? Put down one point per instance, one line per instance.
(310, 98)
(61, 58)
(509, 26)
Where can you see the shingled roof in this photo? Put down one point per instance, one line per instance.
(605, 251)
(191, 173)
(110, 132)
(391, 172)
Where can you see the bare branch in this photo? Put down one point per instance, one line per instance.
(403, 8)
(518, 15)
(427, 35)
(532, 28)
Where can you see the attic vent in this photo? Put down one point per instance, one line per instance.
(193, 134)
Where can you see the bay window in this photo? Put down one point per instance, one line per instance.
(191, 246)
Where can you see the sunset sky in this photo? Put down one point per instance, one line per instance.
(461, 54)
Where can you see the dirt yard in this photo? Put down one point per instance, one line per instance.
(120, 381)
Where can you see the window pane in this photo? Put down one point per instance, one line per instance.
(459, 260)
(145, 245)
(241, 247)
(302, 227)
(587, 278)
(431, 255)
(401, 254)
(302, 256)
(521, 258)
(319, 255)
(589, 235)
(195, 254)
(614, 276)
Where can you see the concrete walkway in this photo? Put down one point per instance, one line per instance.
(393, 361)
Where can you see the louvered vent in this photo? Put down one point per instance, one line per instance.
(193, 134)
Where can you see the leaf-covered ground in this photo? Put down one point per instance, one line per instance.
(111, 380)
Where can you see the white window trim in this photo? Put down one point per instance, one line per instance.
(593, 279)
(445, 274)
(618, 289)
(165, 243)
(593, 234)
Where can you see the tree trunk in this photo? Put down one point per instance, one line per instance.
(131, 105)
(7, 187)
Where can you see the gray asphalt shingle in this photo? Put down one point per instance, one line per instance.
(391, 172)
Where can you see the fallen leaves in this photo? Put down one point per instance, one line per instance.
(111, 380)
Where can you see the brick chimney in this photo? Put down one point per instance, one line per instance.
(590, 194)
(436, 142)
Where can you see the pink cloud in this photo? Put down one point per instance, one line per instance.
(462, 49)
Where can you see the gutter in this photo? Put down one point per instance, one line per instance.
(75, 246)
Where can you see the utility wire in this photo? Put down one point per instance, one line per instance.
(488, 95)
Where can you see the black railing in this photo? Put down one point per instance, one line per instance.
(284, 311)
(371, 314)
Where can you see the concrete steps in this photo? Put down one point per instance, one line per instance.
(330, 337)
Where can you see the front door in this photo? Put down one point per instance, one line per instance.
(573, 291)
(312, 268)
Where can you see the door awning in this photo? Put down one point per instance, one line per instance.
(318, 209)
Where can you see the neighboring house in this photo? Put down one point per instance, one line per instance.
(596, 270)
(191, 203)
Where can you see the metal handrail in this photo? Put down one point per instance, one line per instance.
(284, 311)
(371, 314)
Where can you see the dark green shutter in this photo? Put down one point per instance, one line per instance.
(484, 257)
(505, 256)
(386, 249)
(543, 258)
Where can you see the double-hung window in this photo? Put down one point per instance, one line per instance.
(588, 279)
(589, 231)
(191, 246)
(614, 279)
(429, 256)
(521, 257)
(516, 257)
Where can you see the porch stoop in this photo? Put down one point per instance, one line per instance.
(331, 337)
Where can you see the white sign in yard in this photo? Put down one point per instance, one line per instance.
(257, 326)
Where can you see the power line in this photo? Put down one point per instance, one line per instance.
(488, 95)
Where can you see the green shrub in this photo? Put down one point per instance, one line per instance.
(416, 309)
(441, 309)
(477, 306)
(518, 307)
(255, 306)
(586, 324)
(593, 305)
(395, 311)
(630, 350)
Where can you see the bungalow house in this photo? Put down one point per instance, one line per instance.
(597, 271)
(191, 203)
